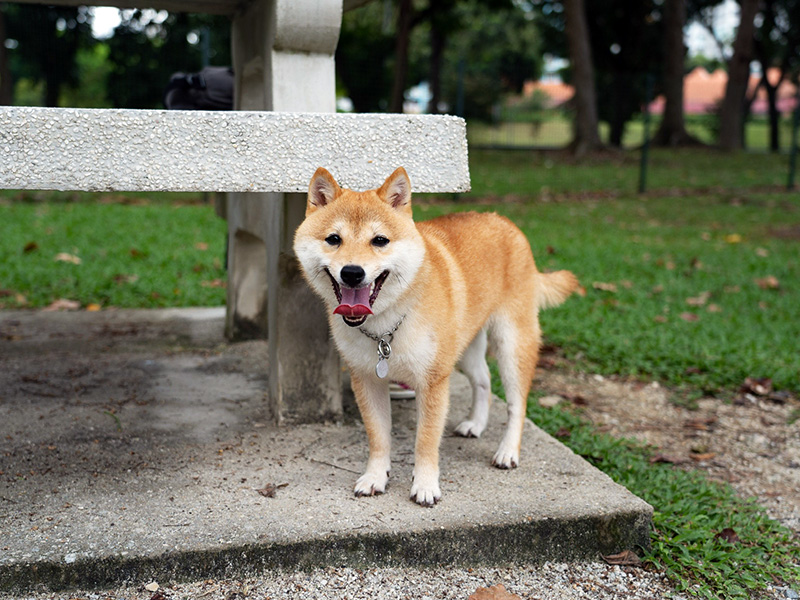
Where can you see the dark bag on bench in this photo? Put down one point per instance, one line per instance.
(210, 89)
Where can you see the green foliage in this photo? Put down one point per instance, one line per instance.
(48, 39)
(147, 49)
(365, 48)
(498, 50)
(711, 543)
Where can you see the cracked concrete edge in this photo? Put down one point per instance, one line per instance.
(575, 539)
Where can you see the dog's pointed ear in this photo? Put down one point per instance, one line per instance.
(396, 190)
(322, 190)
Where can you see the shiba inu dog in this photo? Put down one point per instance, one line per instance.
(410, 301)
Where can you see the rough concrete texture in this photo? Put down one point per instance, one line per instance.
(237, 151)
(135, 445)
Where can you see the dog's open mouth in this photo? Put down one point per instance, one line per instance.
(355, 304)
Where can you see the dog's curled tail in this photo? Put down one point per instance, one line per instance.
(554, 288)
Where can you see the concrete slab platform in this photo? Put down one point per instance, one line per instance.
(135, 445)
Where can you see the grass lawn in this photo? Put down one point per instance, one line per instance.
(694, 284)
(150, 254)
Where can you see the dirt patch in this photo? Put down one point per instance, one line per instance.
(752, 443)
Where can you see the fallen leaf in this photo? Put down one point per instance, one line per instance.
(62, 304)
(687, 316)
(605, 287)
(66, 257)
(136, 253)
(699, 300)
(121, 278)
(770, 282)
(496, 592)
(626, 283)
(660, 319)
(714, 308)
(704, 456)
(729, 535)
(30, 247)
(760, 386)
(762, 252)
(93, 307)
(268, 491)
(701, 424)
(733, 238)
(214, 283)
(732, 289)
(201, 246)
(626, 558)
(668, 459)
(658, 289)
(6, 293)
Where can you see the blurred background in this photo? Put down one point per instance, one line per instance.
(504, 65)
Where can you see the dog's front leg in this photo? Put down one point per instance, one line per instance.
(372, 397)
(432, 403)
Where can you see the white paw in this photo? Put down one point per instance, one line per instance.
(425, 490)
(469, 429)
(371, 484)
(506, 458)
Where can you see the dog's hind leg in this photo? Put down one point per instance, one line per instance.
(372, 397)
(516, 344)
(473, 365)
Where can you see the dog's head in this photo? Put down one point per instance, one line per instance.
(359, 250)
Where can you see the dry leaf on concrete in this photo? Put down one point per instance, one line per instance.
(626, 558)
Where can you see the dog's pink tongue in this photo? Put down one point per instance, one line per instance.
(355, 302)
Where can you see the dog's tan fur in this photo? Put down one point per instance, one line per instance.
(451, 280)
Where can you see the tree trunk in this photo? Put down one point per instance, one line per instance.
(405, 18)
(585, 125)
(731, 114)
(438, 40)
(6, 85)
(672, 131)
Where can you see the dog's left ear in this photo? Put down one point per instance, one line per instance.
(322, 190)
(396, 190)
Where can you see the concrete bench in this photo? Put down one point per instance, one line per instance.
(283, 60)
(261, 155)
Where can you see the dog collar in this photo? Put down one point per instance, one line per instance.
(384, 348)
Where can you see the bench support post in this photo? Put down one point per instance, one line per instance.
(283, 60)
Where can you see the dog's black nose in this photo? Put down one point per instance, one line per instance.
(352, 275)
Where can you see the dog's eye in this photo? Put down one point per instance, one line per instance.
(333, 239)
(380, 241)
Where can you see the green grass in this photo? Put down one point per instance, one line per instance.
(691, 514)
(142, 255)
(545, 175)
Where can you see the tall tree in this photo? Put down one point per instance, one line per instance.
(672, 131)
(406, 19)
(48, 39)
(586, 136)
(731, 114)
(777, 49)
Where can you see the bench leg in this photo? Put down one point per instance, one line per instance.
(305, 378)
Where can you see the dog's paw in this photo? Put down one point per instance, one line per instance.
(425, 489)
(505, 459)
(469, 429)
(371, 484)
